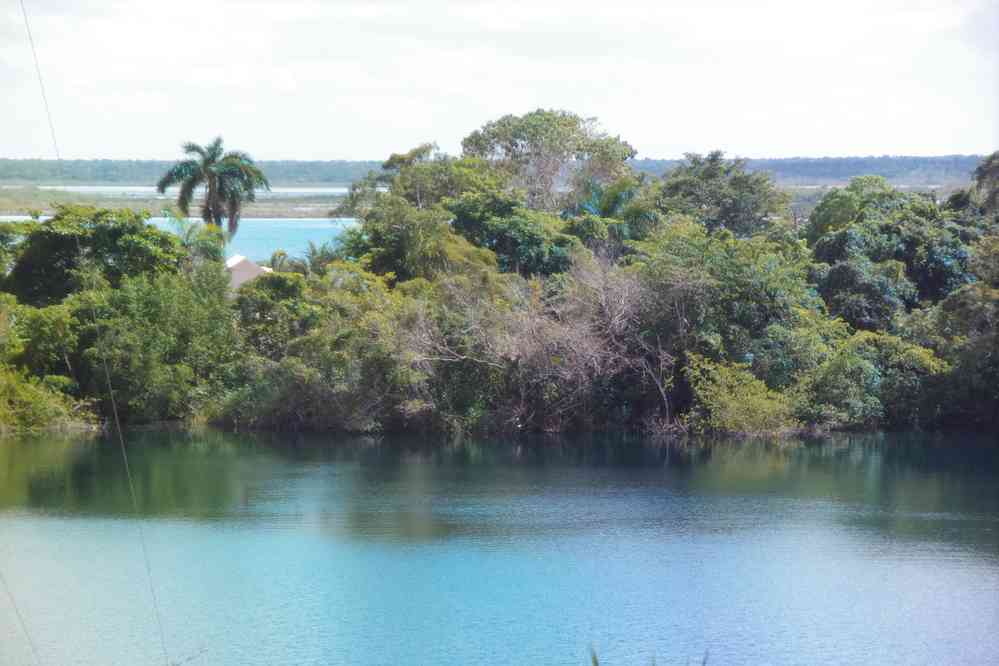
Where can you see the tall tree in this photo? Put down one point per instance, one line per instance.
(552, 155)
(230, 179)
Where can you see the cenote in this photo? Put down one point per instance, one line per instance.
(298, 550)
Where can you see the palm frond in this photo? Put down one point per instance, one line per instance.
(191, 148)
(247, 169)
(179, 172)
(214, 150)
(239, 156)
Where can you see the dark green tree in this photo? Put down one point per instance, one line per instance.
(722, 194)
(119, 243)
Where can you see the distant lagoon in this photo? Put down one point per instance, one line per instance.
(259, 237)
(149, 192)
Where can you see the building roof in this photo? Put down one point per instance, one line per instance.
(242, 270)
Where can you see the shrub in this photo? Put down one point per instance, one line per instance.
(728, 398)
(26, 403)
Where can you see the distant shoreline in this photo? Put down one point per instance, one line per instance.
(913, 171)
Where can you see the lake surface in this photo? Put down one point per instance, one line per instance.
(283, 550)
(259, 237)
(150, 192)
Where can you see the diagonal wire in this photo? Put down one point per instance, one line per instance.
(128, 475)
(107, 376)
(20, 618)
(41, 82)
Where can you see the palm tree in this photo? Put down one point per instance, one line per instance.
(987, 181)
(230, 179)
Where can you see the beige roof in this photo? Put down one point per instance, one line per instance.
(242, 270)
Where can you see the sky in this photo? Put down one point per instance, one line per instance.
(360, 79)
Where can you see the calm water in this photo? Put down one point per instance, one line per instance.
(259, 237)
(150, 192)
(295, 551)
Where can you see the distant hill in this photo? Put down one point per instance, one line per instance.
(912, 171)
(945, 170)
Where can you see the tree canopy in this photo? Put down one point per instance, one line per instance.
(535, 283)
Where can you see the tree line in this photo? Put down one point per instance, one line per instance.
(941, 171)
(938, 171)
(534, 282)
(147, 172)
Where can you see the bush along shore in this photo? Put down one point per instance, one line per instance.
(534, 283)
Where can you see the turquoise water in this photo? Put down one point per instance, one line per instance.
(259, 237)
(284, 550)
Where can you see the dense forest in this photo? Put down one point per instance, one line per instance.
(944, 171)
(535, 282)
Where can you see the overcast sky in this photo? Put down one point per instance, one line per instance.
(358, 79)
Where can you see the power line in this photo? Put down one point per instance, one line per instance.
(20, 618)
(41, 81)
(114, 404)
(128, 475)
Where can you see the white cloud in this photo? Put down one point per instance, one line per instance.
(361, 78)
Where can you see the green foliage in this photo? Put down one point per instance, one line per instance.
(842, 207)
(721, 194)
(349, 371)
(865, 294)
(49, 337)
(886, 251)
(729, 399)
(273, 311)
(964, 329)
(789, 348)
(593, 231)
(202, 242)
(716, 294)
(528, 242)
(533, 284)
(870, 380)
(10, 340)
(167, 342)
(27, 404)
(119, 242)
(403, 242)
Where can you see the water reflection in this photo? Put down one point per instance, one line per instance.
(273, 549)
(419, 489)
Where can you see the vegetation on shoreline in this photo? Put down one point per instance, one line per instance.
(941, 171)
(147, 172)
(27, 200)
(534, 283)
